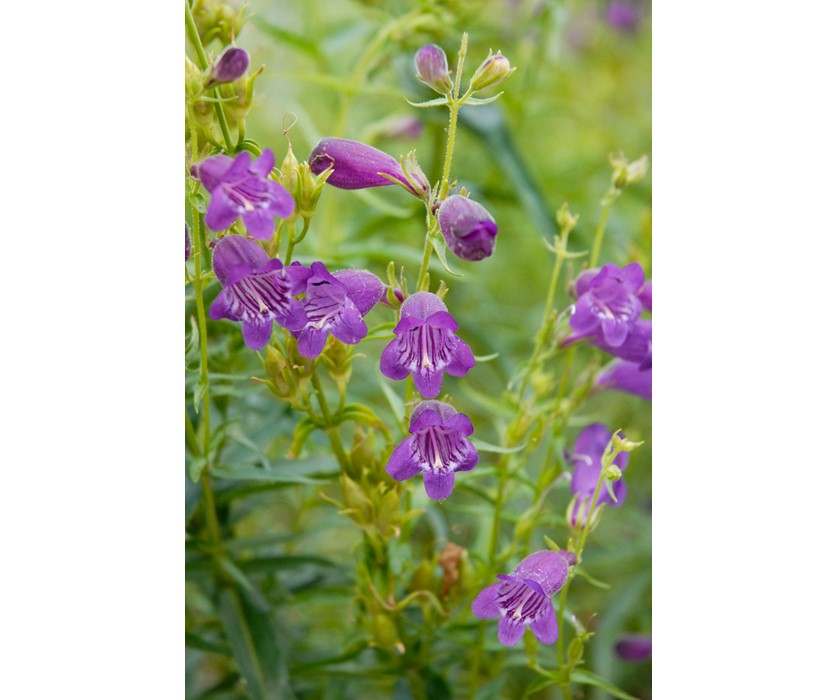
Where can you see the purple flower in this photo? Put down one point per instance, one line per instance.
(432, 68)
(357, 166)
(336, 304)
(628, 377)
(437, 447)
(523, 597)
(425, 345)
(608, 302)
(230, 66)
(623, 16)
(469, 229)
(634, 647)
(587, 465)
(241, 188)
(256, 290)
(636, 348)
(645, 295)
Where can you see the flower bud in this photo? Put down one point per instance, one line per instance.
(493, 71)
(613, 473)
(432, 68)
(217, 19)
(237, 109)
(384, 633)
(625, 173)
(468, 229)
(566, 220)
(424, 576)
(230, 66)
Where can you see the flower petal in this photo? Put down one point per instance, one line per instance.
(257, 335)
(470, 459)
(220, 307)
(462, 359)
(428, 384)
(221, 212)
(422, 305)
(280, 204)
(439, 485)
(546, 567)
(390, 364)
(211, 171)
(362, 287)
(259, 223)
(263, 165)
(402, 464)
(545, 627)
(348, 326)
(312, 341)
(510, 631)
(485, 605)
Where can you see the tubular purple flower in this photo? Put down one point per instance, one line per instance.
(608, 302)
(358, 166)
(336, 304)
(432, 68)
(587, 465)
(256, 290)
(241, 188)
(437, 448)
(468, 229)
(231, 65)
(425, 345)
(628, 377)
(634, 647)
(522, 598)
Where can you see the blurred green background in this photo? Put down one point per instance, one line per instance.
(582, 91)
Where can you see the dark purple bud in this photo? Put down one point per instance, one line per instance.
(469, 229)
(432, 68)
(230, 66)
(357, 166)
(634, 647)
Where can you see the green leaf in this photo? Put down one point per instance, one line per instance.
(588, 678)
(193, 641)
(396, 404)
(488, 447)
(477, 101)
(198, 202)
(254, 645)
(440, 248)
(314, 470)
(201, 388)
(196, 465)
(438, 102)
(590, 579)
(539, 684)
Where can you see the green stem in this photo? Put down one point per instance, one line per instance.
(331, 432)
(453, 110)
(610, 198)
(293, 240)
(195, 39)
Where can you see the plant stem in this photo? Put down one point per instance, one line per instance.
(331, 433)
(195, 39)
(453, 109)
(610, 198)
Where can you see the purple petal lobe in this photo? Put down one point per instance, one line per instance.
(485, 605)
(391, 365)
(233, 254)
(263, 165)
(428, 383)
(510, 631)
(258, 334)
(259, 223)
(362, 287)
(211, 171)
(627, 377)
(402, 463)
(311, 342)
(221, 212)
(439, 485)
(545, 626)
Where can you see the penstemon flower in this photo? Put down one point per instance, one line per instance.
(256, 290)
(231, 65)
(634, 647)
(358, 166)
(437, 448)
(522, 599)
(468, 229)
(336, 303)
(587, 465)
(241, 188)
(425, 345)
(628, 377)
(432, 68)
(608, 302)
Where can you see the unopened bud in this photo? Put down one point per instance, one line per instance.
(469, 230)
(432, 68)
(625, 173)
(493, 71)
(622, 445)
(230, 66)
(566, 220)
(384, 633)
(613, 473)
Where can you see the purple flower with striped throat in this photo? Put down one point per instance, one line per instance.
(425, 345)
(256, 290)
(522, 599)
(241, 188)
(627, 377)
(358, 166)
(607, 304)
(437, 447)
(336, 303)
(587, 465)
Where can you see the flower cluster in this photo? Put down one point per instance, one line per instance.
(607, 314)
(258, 290)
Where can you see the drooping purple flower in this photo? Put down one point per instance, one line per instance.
(241, 188)
(634, 647)
(336, 304)
(523, 598)
(358, 166)
(437, 447)
(432, 68)
(468, 229)
(637, 346)
(645, 295)
(256, 290)
(608, 302)
(623, 16)
(628, 377)
(231, 65)
(587, 465)
(425, 345)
